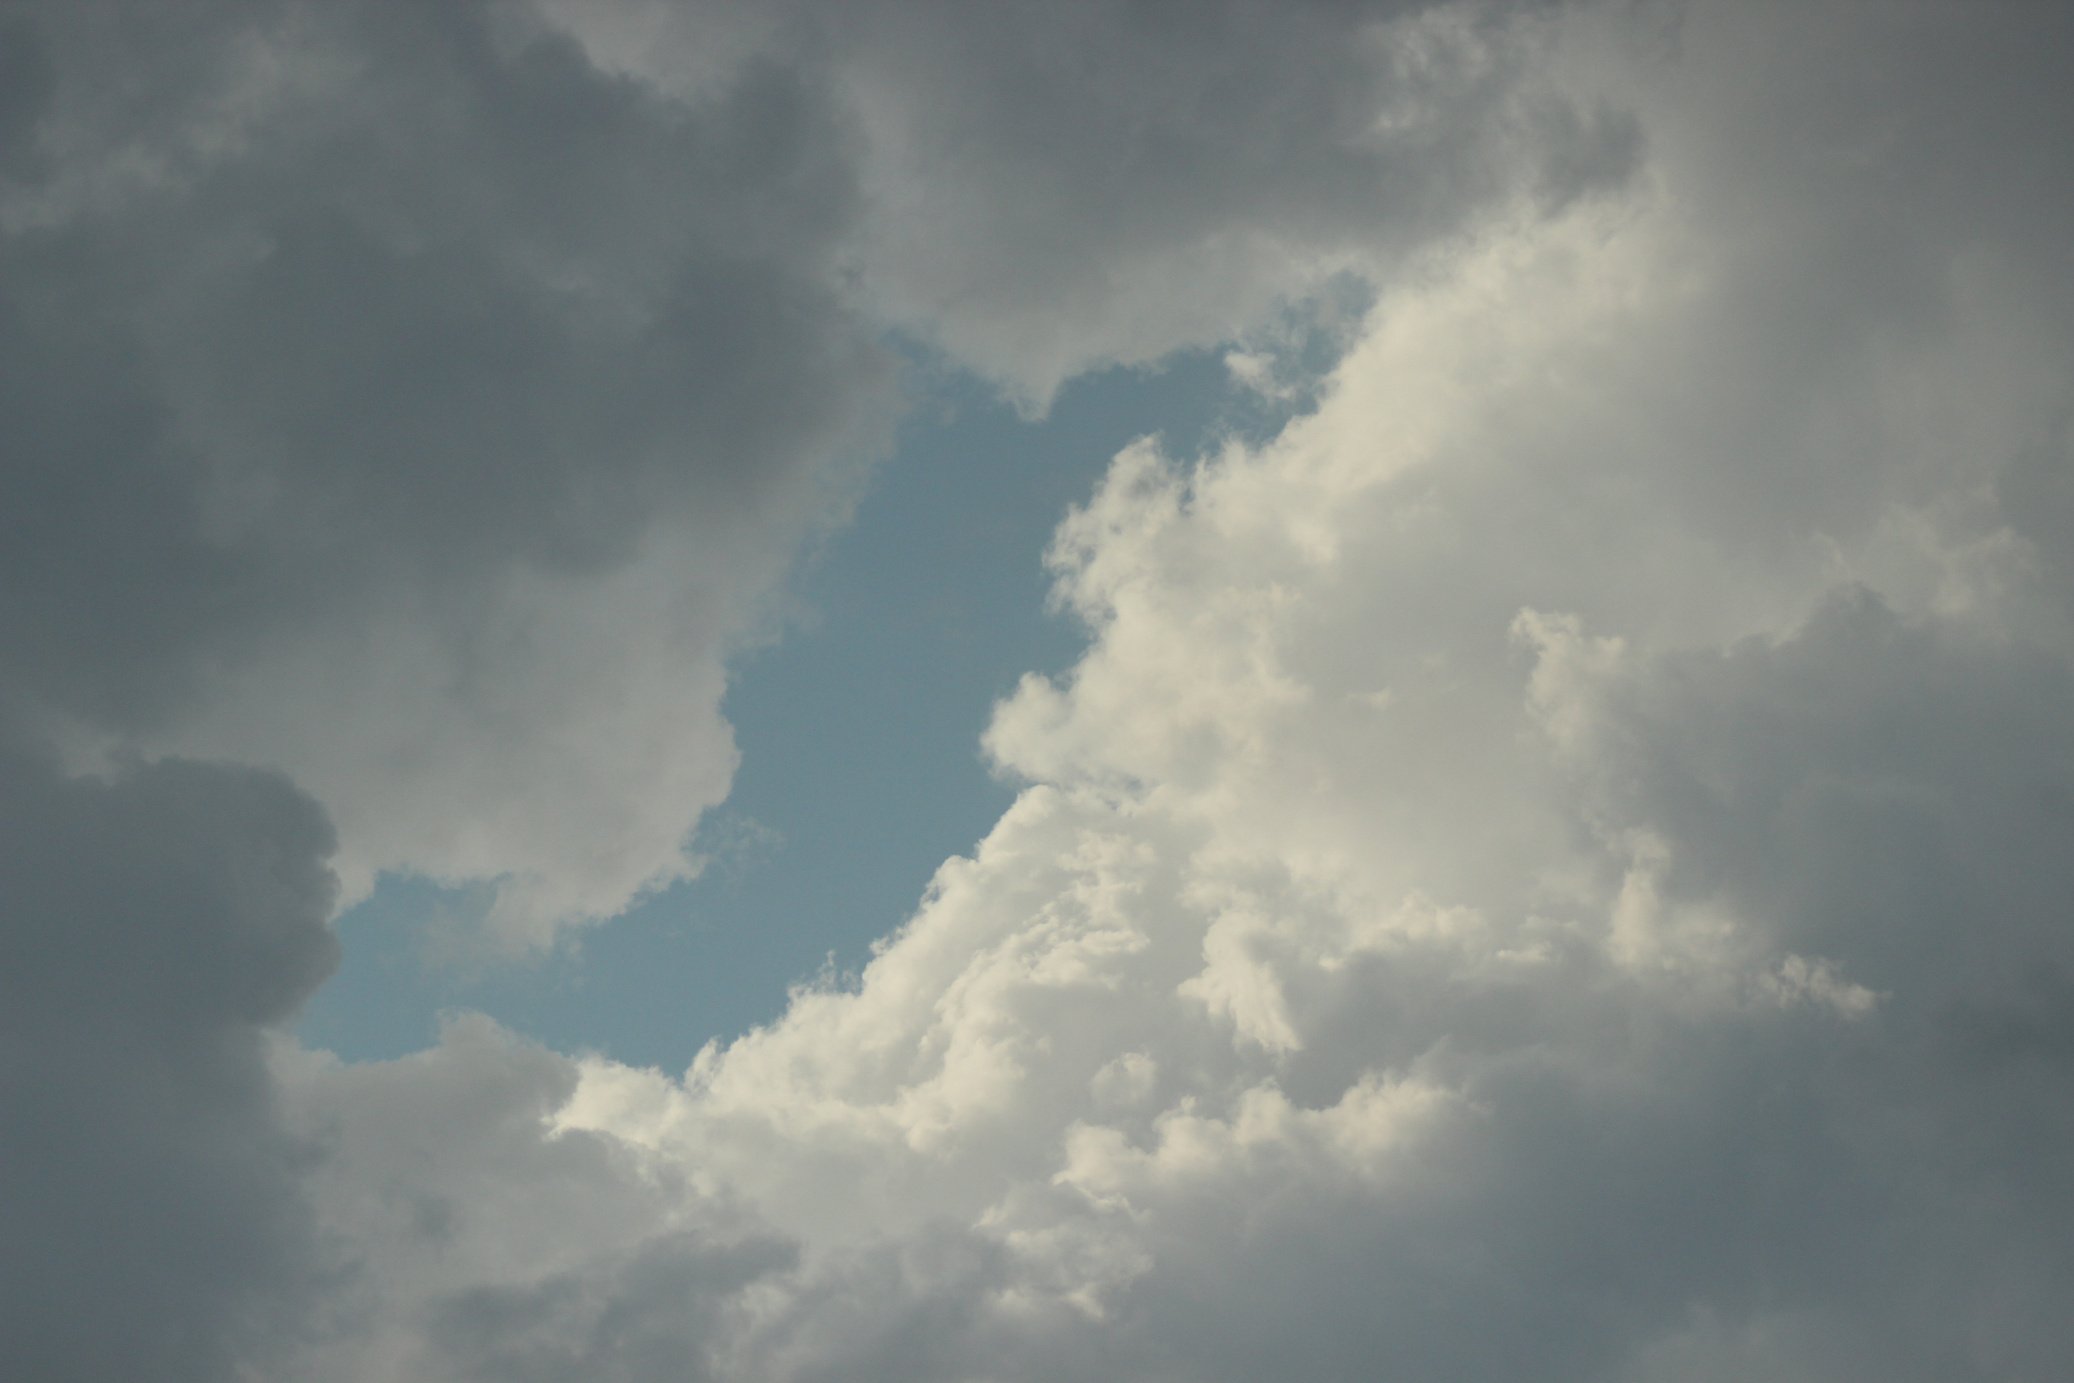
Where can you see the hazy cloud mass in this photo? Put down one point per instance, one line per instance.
(1552, 862)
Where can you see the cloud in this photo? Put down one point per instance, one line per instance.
(1547, 868)
(1550, 867)
(156, 922)
(1055, 187)
(402, 402)
(420, 403)
(398, 400)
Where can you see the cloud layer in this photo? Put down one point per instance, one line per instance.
(1551, 867)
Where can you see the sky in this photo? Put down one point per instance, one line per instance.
(729, 690)
(858, 728)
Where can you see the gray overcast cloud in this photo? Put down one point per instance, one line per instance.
(1552, 866)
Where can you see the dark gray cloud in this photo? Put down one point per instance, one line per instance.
(1214, 157)
(1057, 186)
(345, 297)
(361, 354)
(152, 926)
(320, 328)
(649, 1319)
(1892, 795)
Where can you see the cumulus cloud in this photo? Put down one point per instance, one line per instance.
(401, 401)
(424, 401)
(1550, 867)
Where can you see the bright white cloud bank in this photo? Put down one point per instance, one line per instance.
(1553, 867)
